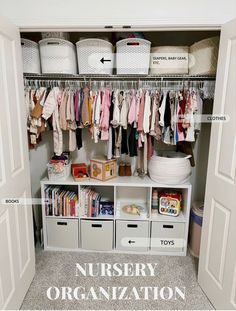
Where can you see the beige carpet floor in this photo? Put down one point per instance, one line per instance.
(58, 269)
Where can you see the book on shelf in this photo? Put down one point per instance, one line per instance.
(92, 204)
(60, 202)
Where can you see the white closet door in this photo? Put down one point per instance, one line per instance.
(217, 266)
(17, 262)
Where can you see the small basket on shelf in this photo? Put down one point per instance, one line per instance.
(58, 170)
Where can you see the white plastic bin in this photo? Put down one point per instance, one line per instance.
(204, 56)
(95, 56)
(58, 56)
(133, 56)
(30, 54)
(169, 60)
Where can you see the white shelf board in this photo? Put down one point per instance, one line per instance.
(62, 217)
(130, 217)
(166, 218)
(98, 217)
(130, 181)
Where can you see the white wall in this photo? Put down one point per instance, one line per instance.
(72, 13)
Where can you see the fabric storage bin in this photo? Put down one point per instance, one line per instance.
(133, 56)
(204, 56)
(63, 174)
(96, 234)
(57, 56)
(62, 233)
(95, 56)
(169, 60)
(30, 55)
(132, 235)
(167, 236)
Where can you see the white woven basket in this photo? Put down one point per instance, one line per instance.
(133, 56)
(30, 54)
(91, 52)
(203, 57)
(173, 168)
(169, 60)
(58, 56)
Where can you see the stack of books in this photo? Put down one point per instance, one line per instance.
(89, 202)
(60, 202)
(92, 205)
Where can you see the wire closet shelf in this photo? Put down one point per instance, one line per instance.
(123, 81)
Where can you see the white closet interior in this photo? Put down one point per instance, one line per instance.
(39, 157)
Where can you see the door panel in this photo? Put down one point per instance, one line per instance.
(218, 248)
(17, 262)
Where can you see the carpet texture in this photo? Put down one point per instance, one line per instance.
(58, 269)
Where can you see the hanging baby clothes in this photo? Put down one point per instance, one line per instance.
(128, 120)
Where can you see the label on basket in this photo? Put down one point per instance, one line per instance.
(169, 60)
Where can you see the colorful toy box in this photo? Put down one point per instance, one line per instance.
(170, 203)
(79, 171)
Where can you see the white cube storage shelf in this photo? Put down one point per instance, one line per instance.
(149, 233)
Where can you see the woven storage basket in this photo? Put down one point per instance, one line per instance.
(133, 56)
(169, 60)
(173, 168)
(90, 52)
(30, 54)
(203, 57)
(58, 56)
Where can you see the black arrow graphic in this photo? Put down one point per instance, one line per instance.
(102, 60)
(130, 241)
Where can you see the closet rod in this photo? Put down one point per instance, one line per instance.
(118, 77)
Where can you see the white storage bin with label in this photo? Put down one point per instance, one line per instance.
(95, 56)
(133, 56)
(30, 54)
(57, 56)
(96, 234)
(62, 233)
(169, 60)
(132, 235)
(167, 236)
(203, 57)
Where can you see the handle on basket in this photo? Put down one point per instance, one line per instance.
(22, 43)
(53, 43)
(133, 43)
